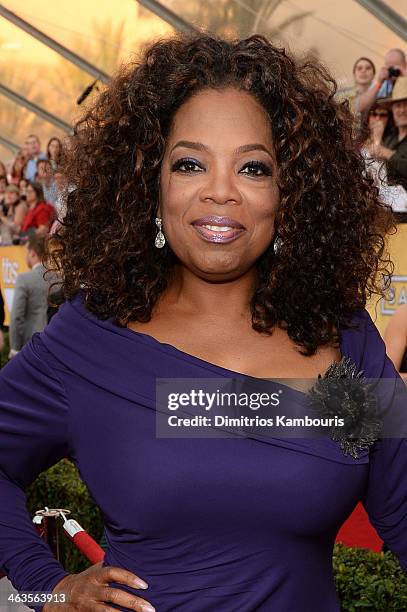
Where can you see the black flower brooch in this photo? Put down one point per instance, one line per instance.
(344, 392)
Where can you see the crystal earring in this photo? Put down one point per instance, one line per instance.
(160, 238)
(277, 244)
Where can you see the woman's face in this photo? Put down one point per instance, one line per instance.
(10, 198)
(44, 169)
(363, 73)
(22, 185)
(53, 149)
(378, 115)
(31, 195)
(219, 163)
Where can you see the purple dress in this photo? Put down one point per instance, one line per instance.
(220, 524)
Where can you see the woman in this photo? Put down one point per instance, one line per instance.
(22, 187)
(18, 167)
(54, 152)
(3, 187)
(45, 176)
(3, 169)
(40, 214)
(218, 210)
(380, 123)
(12, 221)
(362, 95)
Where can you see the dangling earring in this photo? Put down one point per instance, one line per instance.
(277, 244)
(160, 238)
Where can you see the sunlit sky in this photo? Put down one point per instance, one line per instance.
(66, 19)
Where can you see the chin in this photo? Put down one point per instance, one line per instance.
(219, 267)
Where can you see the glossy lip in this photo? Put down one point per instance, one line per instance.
(218, 237)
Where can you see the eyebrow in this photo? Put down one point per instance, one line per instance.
(198, 146)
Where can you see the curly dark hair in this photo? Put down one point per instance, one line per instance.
(330, 220)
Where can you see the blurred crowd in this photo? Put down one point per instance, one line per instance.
(31, 207)
(379, 101)
(31, 192)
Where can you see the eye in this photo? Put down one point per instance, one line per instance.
(256, 168)
(186, 165)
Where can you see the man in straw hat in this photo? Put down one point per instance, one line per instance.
(393, 148)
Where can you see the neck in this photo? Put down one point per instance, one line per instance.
(195, 296)
(402, 132)
(361, 88)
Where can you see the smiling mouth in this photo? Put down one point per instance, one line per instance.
(218, 233)
(218, 228)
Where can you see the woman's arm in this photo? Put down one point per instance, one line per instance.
(395, 336)
(19, 215)
(34, 426)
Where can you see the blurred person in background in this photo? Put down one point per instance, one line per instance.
(363, 74)
(45, 176)
(3, 185)
(395, 338)
(22, 186)
(392, 148)
(54, 152)
(40, 214)
(34, 155)
(395, 65)
(380, 126)
(16, 208)
(3, 169)
(17, 168)
(362, 95)
(30, 302)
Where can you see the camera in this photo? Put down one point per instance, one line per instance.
(393, 72)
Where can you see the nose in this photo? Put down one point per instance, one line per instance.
(220, 186)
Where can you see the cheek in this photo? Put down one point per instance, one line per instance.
(262, 204)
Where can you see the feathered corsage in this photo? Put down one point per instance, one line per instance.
(344, 392)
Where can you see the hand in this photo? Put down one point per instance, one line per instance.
(383, 74)
(376, 131)
(378, 151)
(89, 590)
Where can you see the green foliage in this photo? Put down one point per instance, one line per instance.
(62, 487)
(369, 581)
(365, 580)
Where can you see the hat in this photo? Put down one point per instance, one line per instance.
(398, 93)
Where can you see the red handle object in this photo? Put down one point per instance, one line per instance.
(83, 541)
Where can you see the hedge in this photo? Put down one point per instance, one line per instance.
(365, 580)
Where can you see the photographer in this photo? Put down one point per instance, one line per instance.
(395, 65)
(392, 148)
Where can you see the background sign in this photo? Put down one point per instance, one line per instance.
(382, 309)
(12, 261)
